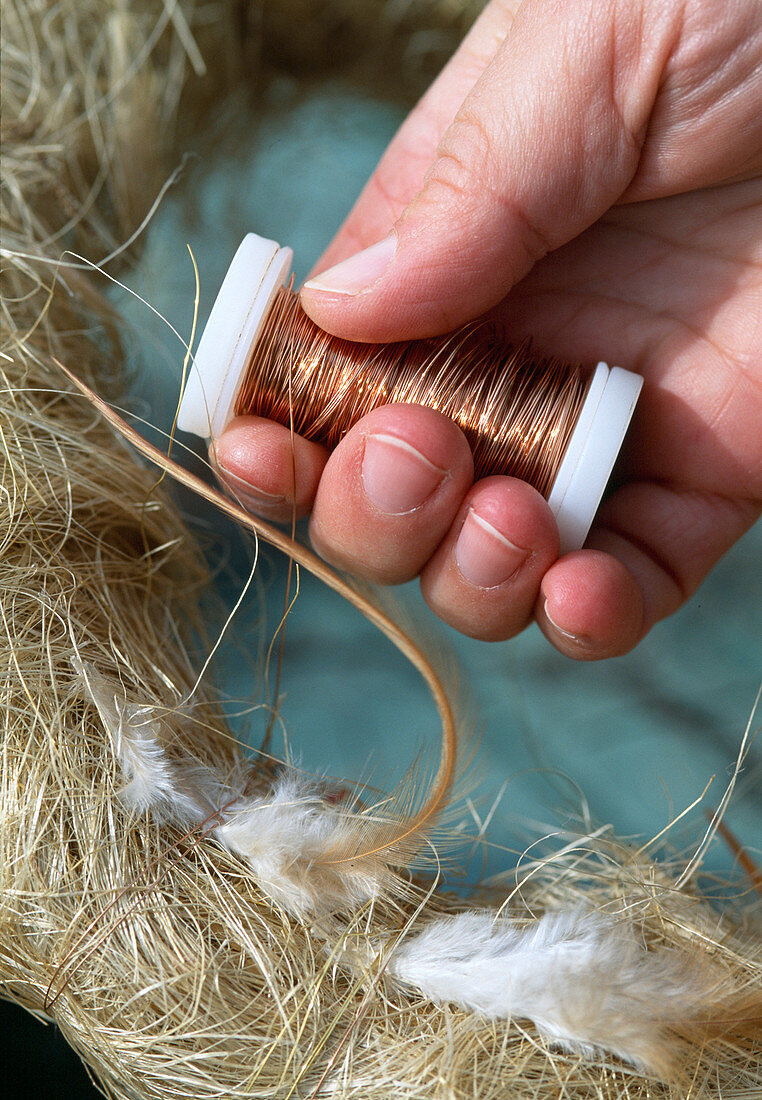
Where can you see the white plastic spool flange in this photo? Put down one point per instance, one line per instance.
(592, 451)
(260, 267)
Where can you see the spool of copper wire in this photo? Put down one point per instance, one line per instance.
(556, 425)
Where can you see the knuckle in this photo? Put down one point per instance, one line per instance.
(470, 173)
(465, 160)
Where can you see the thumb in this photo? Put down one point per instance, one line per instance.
(544, 143)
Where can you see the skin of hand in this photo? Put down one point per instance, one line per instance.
(589, 172)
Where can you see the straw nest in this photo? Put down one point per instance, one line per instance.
(153, 948)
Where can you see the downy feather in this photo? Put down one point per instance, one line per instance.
(584, 981)
(153, 782)
(290, 832)
(288, 836)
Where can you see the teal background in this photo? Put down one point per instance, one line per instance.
(631, 742)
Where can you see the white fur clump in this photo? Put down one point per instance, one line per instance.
(584, 981)
(289, 835)
(300, 846)
(153, 781)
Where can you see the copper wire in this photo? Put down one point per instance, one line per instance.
(516, 410)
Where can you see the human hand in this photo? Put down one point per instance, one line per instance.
(589, 172)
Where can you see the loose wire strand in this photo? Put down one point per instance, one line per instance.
(516, 410)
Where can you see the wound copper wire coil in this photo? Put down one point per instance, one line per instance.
(516, 410)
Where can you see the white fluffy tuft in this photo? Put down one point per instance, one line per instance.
(583, 980)
(286, 833)
(153, 781)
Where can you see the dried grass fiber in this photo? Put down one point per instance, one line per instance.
(156, 953)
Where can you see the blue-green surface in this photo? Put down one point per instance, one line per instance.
(638, 738)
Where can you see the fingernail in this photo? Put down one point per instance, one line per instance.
(484, 556)
(396, 477)
(249, 496)
(360, 271)
(580, 639)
